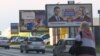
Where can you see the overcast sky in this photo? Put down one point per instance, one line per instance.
(9, 9)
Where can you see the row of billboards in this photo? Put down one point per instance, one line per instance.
(62, 15)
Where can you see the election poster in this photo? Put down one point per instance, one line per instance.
(62, 15)
(14, 28)
(32, 20)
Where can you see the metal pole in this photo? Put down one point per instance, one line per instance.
(99, 24)
(99, 20)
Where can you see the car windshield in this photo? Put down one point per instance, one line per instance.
(35, 39)
(3, 38)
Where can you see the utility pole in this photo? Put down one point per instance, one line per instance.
(99, 22)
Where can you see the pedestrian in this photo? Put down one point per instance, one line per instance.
(88, 41)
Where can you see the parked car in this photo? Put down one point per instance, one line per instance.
(32, 44)
(62, 47)
(17, 39)
(4, 42)
(20, 39)
(13, 39)
(46, 38)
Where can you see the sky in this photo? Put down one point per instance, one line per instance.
(9, 9)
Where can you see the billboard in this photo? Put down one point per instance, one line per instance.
(14, 28)
(63, 15)
(32, 20)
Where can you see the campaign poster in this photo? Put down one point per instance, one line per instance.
(32, 20)
(62, 15)
(14, 28)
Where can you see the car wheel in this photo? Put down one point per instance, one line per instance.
(7, 47)
(21, 51)
(26, 51)
(43, 52)
(37, 51)
(48, 43)
(54, 55)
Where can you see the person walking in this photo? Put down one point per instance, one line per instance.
(88, 41)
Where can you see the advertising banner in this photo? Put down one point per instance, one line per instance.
(14, 28)
(63, 15)
(32, 20)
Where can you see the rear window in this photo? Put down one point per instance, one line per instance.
(69, 42)
(35, 39)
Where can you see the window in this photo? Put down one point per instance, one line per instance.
(35, 39)
(69, 42)
(46, 36)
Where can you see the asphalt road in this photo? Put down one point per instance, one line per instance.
(15, 52)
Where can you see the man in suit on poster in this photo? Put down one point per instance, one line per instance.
(56, 17)
(83, 15)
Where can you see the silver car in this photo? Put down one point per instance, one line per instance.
(32, 44)
(62, 47)
(4, 42)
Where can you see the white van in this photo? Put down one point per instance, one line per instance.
(46, 38)
(62, 47)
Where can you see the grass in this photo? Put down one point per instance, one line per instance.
(15, 45)
(49, 46)
(98, 49)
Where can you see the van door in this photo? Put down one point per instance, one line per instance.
(58, 48)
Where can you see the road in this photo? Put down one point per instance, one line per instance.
(15, 52)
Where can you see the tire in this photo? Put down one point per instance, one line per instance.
(26, 51)
(37, 51)
(21, 51)
(7, 47)
(43, 52)
(54, 55)
(48, 43)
